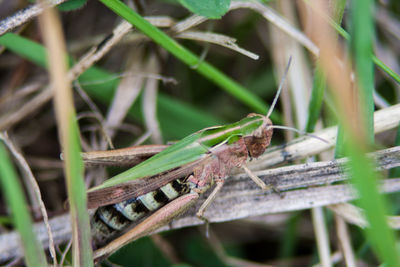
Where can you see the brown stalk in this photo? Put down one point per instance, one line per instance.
(64, 107)
(338, 70)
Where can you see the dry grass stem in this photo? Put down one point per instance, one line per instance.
(50, 25)
(345, 242)
(335, 258)
(299, 77)
(355, 215)
(338, 72)
(96, 53)
(25, 15)
(350, 213)
(322, 237)
(188, 23)
(126, 94)
(218, 39)
(149, 106)
(279, 57)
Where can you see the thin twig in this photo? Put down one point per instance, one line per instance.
(65, 252)
(24, 15)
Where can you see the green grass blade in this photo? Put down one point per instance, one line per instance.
(74, 169)
(25, 48)
(361, 168)
(186, 56)
(340, 144)
(381, 237)
(34, 255)
(386, 69)
(361, 46)
(317, 96)
(290, 237)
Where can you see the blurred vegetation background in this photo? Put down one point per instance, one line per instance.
(136, 90)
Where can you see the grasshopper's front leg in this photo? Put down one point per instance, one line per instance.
(210, 198)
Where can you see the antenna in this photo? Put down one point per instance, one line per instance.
(280, 87)
(298, 131)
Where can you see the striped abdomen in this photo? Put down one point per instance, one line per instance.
(112, 219)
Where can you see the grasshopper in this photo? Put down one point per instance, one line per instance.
(178, 175)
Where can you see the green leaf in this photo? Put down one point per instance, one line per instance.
(212, 9)
(72, 5)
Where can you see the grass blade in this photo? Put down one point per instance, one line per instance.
(34, 255)
(69, 138)
(317, 96)
(361, 45)
(364, 178)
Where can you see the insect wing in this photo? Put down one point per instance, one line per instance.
(129, 156)
(186, 151)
